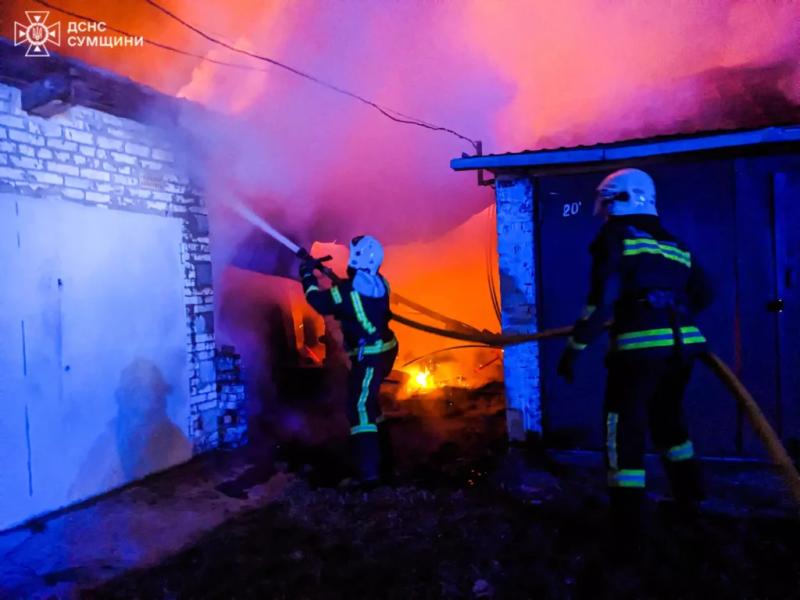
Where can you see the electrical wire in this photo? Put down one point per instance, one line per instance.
(384, 110)
(405, 119)
(495, 297)
(149, 41)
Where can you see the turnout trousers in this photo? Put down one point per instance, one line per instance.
(646, 392)
(363, 411)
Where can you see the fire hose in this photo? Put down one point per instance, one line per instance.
(775, 449)
(475, 335)
(777, 453)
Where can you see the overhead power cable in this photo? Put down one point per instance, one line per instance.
(390, 113)
(149, 41)
(387, 112)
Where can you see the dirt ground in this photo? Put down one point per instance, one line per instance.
(466, 518)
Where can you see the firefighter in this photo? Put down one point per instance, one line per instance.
(361, 304)
(653, 287)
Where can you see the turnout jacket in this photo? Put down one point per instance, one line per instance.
(649, 282)
(364, 319)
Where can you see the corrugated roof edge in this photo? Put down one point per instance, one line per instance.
(628, 149)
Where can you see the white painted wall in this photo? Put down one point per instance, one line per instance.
(105, 375)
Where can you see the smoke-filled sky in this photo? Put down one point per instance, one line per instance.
(516, 74)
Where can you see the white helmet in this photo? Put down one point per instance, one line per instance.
(626, 192)
(366, 254)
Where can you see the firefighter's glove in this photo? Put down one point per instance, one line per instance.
(566, 366)
(307, 267)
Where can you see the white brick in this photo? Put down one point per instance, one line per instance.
(77, 183)
(137, 149)
(62, 145)
(119, 132)
(163, 155)
(79, 159)
(174, 189)
(11, 121)
(45, 177)
(27, 138)
(81, 137)
(149, 164)
(8, 147)
(123, 158)
(125, 180)
(110, 119)
(95, 175)
(44, 153)
(98, 197)
(157, 205)
(108, 143)
(108, 167)
(72, 193)
(3, 159)
(162, 196)
(3, 133)
(62, 156)
(62, 168)
(101, 154)
(76, 116)
(26, 162)
(9, 173)
(138, 193)
(108, 187)
(48, 128)
(208, 404)
(87, 150)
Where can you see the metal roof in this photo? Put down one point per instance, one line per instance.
(630, 149)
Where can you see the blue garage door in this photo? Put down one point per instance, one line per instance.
(697, 203)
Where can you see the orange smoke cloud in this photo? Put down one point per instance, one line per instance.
(513, 73)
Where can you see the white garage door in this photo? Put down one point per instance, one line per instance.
(103, 395)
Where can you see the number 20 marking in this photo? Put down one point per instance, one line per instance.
(571, 209)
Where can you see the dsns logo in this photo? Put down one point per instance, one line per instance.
(37, 33)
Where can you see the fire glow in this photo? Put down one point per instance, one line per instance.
(421, 380)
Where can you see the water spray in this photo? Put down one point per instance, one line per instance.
(248, 215)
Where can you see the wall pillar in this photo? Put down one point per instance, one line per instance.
(516, 253)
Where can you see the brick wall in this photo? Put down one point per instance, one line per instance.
(232, 419)
(516, 253)
(94, 158)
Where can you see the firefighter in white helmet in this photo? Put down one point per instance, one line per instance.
(626, 192)
(361, 304)
(653, 287)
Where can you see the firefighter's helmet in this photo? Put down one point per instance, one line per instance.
(366, 254)
(626, 192)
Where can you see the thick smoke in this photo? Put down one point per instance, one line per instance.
(516, 74)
